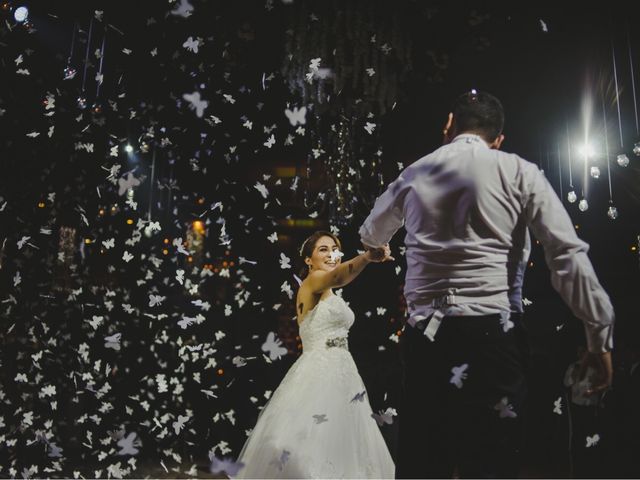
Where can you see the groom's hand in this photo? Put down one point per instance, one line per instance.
(604, 368)
(379, 254)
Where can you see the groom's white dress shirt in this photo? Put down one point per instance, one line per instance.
(466, 209)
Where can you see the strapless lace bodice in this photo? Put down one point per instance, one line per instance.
(326, 324)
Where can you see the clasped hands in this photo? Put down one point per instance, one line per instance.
(379, 254)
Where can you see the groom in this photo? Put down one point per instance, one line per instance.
(466, 209)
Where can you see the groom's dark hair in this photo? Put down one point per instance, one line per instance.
(480, 113)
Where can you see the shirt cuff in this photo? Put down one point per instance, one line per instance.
(367, 238)
(600, 340)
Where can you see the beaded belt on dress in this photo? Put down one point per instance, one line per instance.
(340, 342)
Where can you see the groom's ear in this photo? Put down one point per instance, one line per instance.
(497, 142)
(447, 130)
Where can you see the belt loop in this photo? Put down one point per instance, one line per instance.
(445, 300)
(450, 298)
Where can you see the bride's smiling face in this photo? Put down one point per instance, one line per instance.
(321, 258)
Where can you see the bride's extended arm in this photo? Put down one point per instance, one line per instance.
(346, 272)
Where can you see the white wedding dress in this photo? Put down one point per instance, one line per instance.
(318, 423)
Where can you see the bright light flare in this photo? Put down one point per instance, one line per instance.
(586, 151)
(21, 14)
(198, 227)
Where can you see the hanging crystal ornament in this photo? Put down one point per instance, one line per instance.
(612, 212)
(69, 72)
(97, 106)
(595, 172)
(65, 259)
(82, 99)
(583, 205)
(343, 69)
(636, 149)
(571, 194)
(622, 160)
(339, 167)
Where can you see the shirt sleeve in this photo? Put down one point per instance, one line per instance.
(386, 217)
(517, 264)
(572, 273)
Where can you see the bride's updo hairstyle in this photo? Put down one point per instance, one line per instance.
(306, 250)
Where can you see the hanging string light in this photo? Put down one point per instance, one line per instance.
(612, 212)
(571, 195)
(559, 168)
(615, 78)
(583, 205)
(622, 159)
(97, 106)
(82, 99)
(69, 72)
(636, 146)
(633, 82)
(586, 150)
(152, 182)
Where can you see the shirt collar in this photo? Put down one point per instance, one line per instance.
(470, 138)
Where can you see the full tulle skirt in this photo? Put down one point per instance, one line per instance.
(318, 424)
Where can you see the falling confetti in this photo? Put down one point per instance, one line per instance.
(196, 103)
(359, 397)
(384, 417)
(318, 419)
(543, 25)
(273, 346)
(459, 374)
(183, 9)
(593, 440)
(285, 262)
(557, 406)
(226, 465)
(505, 409)
(296, 116)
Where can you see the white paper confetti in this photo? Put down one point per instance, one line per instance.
(296, 116)
(459, 374)
(273, 346)
(505, 409)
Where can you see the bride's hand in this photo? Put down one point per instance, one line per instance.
(380, 254)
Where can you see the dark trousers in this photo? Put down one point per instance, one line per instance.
(587, 462)
(463, 399)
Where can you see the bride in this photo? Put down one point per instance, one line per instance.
(318, 423)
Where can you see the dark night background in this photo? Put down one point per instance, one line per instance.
(188, 374)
